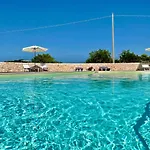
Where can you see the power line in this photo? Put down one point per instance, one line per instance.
(57, 25)
(72, 23)
(146, 16)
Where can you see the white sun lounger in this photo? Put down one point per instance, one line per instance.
(44, 67)
(26, 67)
(145, 67)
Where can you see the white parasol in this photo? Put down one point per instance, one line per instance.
(34, 49)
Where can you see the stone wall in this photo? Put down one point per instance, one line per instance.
(68, 67)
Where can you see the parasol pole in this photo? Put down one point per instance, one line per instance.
(34, 56)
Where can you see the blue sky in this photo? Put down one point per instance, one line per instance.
(72, 43)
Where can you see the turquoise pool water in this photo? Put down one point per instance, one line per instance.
(75, 112)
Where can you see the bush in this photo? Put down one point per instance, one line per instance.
(44, 58)
(99, 56)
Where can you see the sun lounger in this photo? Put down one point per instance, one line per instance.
(78, 69)
(44, 67)
(103, 68)
(145, 67)
(36, 68)
(26, 67)
(90, 69)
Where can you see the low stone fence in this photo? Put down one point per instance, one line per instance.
(69, 67)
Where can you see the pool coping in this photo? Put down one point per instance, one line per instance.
(71, 72)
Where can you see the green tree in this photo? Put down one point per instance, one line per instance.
(144, 58)
(44, 58)
(127, 56)
(99, 56)
(117, 61)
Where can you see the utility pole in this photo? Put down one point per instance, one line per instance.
(113, 40)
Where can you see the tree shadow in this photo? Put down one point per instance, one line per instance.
(140, 122)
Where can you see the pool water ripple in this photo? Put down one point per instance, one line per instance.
(74, 113)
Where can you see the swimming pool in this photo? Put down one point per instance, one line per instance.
(75, 111)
